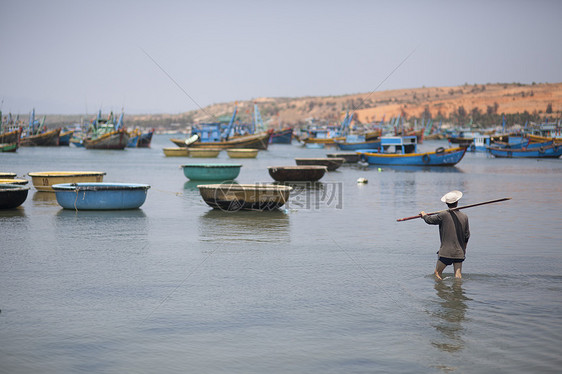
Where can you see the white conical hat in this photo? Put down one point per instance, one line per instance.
(451, 197)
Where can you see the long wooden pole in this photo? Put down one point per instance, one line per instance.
(457, 208)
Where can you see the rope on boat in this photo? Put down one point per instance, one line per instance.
(168, 192)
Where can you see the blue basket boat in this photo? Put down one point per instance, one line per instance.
(100, 196)
(211, 172)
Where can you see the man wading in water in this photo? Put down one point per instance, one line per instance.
(453, 232)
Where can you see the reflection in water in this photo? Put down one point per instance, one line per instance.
(103, 225)
(450, 314)
(16, 212)
(100, 214)
(249, 226)
(313, 195)
(416, 169)
(45, 198)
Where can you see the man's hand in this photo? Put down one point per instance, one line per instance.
(422, 213)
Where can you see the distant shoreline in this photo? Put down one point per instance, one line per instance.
(415, 103)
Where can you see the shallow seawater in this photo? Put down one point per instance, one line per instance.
(330, 283)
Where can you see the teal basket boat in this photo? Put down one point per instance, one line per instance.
(211, 172)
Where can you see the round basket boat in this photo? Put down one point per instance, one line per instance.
(297, 173)
(211, 172)
(12, 195)
(204, 152)
(242, 152)
(176, 152)
(7, 175)
(100, 196)
(43, 180)
(14, 181)
(233, 197)
(332, 163)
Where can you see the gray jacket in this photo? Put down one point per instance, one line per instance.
(450, 246)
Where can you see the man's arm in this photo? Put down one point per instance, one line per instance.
(432, 220)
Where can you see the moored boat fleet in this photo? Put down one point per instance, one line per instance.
(85, 190)
(100, 133)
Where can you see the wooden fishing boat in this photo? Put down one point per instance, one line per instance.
(10, 136)
(331, 163)
(100, 196)
(326, 135)
(8, 147)
(14, 181)
(537, 150)
(234, 197)
(257, 141)
(133, 138)
(211, 172)
(12, 195)
(436, 136)
(440, 157)
(4, 175)
(283, 136)
(176, 152)
(309, 173)
(242, 153)
(145, 139)
(349, 157)
(461, 141)
(116, 139)
(351, 146)
(44, 180)
(355, 142)
(373, 134)
(542, 139)
(47, 138)
(324, 141)
(65, 136)
(203, 152)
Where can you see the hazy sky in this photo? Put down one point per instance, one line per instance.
(80, 56)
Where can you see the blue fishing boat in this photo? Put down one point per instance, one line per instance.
(532, 150)
(480, 143)
(133, 138)
(65, 136)
(355, 142)
(100, 196)
(145, 139)
(326, 134)
(509, 141)
(396, 150)
(283, 136)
